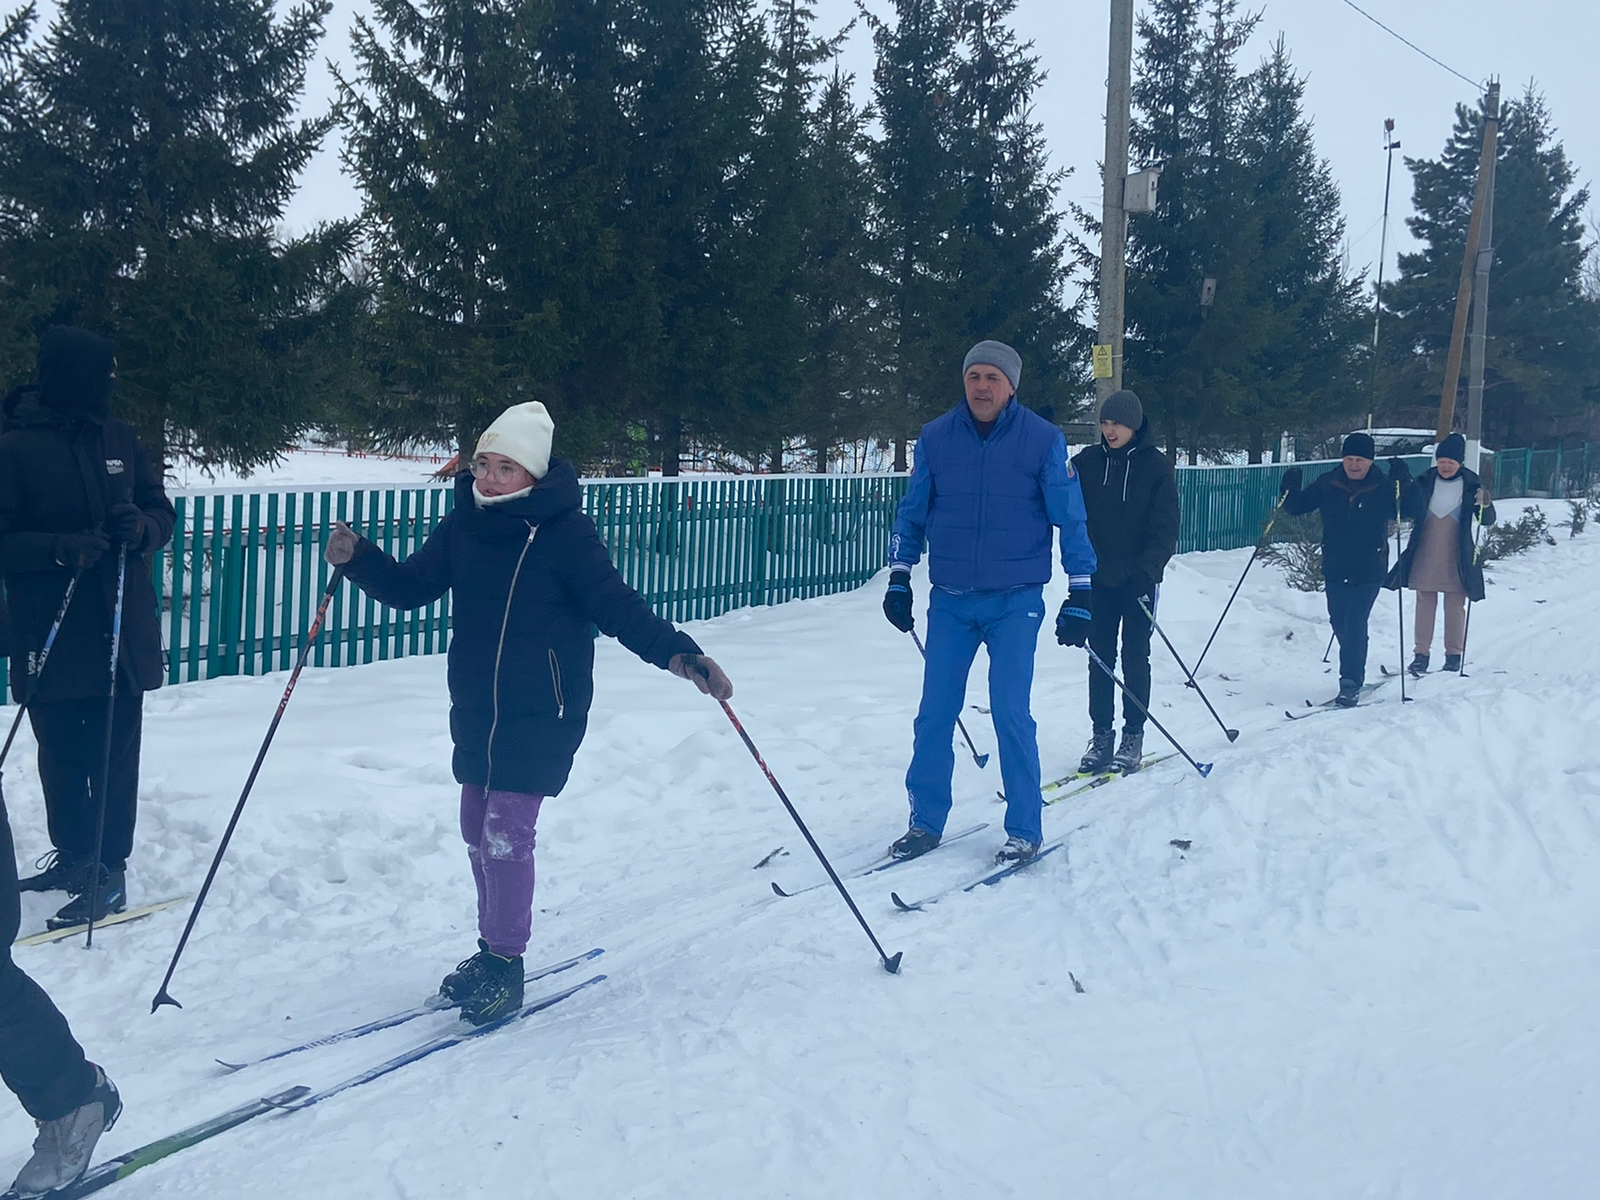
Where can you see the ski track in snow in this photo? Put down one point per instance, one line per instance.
(1370, 975)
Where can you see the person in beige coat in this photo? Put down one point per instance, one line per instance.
(1441, 559)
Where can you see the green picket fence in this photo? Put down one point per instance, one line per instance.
(244, 572)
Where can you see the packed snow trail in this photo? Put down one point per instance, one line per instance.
(1371, 972)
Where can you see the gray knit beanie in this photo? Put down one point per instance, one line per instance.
(996, 354)
(1124, 408)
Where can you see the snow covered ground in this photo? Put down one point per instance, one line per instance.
(1371, 974)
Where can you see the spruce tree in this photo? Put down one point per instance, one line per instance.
(146, 155)
(1542, 369)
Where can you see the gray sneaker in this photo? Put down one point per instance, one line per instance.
(1130, 754)
(64, 1146)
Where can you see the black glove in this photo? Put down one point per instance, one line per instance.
(1398, 471)
(126, 523)
(1072, 622)
(81, 550)
(897, 601)
(1290, 483)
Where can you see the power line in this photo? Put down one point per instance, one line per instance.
(1475, 83)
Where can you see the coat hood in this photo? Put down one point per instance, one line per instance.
(77, 373)
(558, 492)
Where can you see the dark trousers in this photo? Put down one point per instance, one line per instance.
(1349, 608)
(39, 1060)
(71, 736)
(1116, 608)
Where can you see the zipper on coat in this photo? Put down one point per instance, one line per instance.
(555, 683)
(499, 651)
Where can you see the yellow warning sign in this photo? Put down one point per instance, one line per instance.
(1102, 362)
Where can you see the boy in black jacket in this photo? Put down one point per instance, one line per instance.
(1357, 504)
(1131, 496)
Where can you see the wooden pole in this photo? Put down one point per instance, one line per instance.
(1113, 216)
(1469, 263)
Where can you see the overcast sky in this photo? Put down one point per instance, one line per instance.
(1356, 76)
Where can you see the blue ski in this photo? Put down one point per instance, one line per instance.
(462, 1033)
(885, 863)
(988, 879)
(399, 1018)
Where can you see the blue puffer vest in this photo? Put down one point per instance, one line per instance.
(987, 526)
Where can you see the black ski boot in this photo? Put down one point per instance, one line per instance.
(487, 987)
(1419, 666)
(1452, 662)
(1130, 755)
(1098, 754)
(58, 872)
(464, 980)
(113, 898)
(1349, 694)
(914, 843)
(1017, 850)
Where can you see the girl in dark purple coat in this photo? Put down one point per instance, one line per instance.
(529, 579)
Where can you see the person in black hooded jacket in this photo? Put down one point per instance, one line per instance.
(1357, 503)
(1131, 494)
(75, 485)
(529, 580)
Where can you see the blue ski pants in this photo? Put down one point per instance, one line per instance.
(958, 623)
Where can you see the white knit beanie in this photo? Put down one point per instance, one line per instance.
(522, 433)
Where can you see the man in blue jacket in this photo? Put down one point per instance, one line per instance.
(991, 482)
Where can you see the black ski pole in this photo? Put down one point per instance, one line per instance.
(105, 755)
(891, 965)
(1203, 768)
(162, 996)
(1400, 596)
(38, 664)
(981, 759)
(1254, 554)
(1233, 734)
(1329, 650)
(1466, 630)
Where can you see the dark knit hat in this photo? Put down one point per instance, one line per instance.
(996, 354)
(1359, 445)
(1124, 408)
(1454, 446)
(77, 372)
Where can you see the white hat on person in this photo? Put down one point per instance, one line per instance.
(522, 433)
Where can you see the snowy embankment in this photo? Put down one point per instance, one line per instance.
(1372, 973)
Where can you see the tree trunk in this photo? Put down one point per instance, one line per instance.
(671, 444)
(776, 458)
(1256, 443)
(900, 454)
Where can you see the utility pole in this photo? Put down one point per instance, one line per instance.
(1469, 263)
(1114, 214)
(1480, 331)
(1390, 144)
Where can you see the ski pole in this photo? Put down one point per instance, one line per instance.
(1233, 734)
(1329, 650)
(38, 666)
(1254, 554)
(1400, 596)
(1203, 768)
(981, 759)
(1466, 630)
(105, 755)
(162, 996)
(891, 965)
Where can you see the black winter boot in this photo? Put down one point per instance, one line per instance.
(1452, 662)
(913, 843)
(58, 873)
(1349, 694)
(1130, 755)
(1419, 666)
(1098, 754)
(495, 989)
(113, 898)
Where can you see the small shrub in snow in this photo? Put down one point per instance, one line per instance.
(1296, 546)
(1578, 517)
(1504, 540)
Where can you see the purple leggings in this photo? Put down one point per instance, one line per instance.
(498, 828)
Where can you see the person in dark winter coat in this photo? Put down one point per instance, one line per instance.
(75, 488)
(991, 487)
(41, 1062)
(529, 579)
(1441, 557)
(1357, 504)
(1131, 495)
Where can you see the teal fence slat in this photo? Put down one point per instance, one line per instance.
(238, 584)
